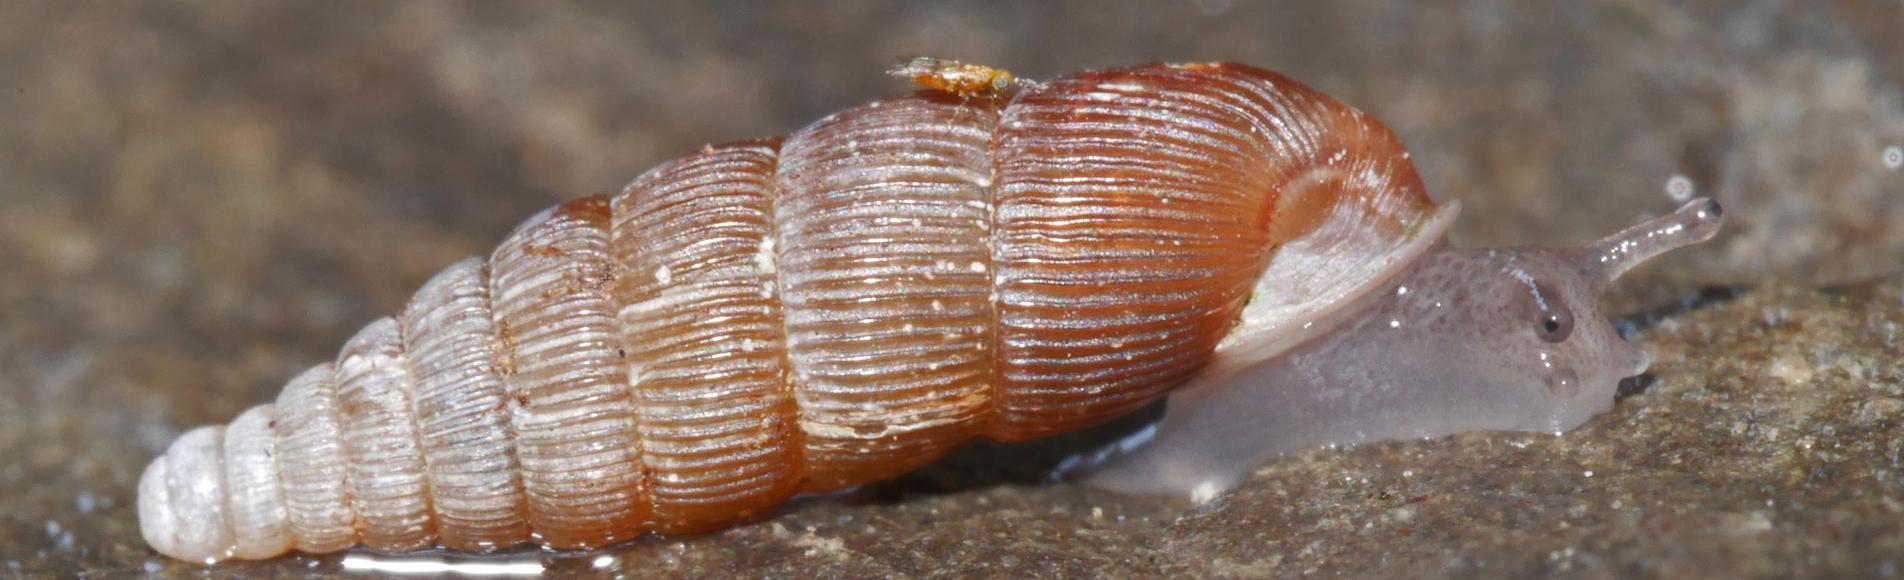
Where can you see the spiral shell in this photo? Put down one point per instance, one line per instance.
(781, 316)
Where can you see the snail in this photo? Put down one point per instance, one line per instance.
(844, 304)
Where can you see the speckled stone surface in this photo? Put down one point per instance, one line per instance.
(198, 200)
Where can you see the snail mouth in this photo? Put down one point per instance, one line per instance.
(1633, 385)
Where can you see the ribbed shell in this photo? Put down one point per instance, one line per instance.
(882, 229)
(561, 353)
(1132, 219)
(390, 489)
(311, 464)
(254, 496)
(701, 319)
(463, 411)
(770, 317)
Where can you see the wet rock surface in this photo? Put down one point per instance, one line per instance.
(196, 201)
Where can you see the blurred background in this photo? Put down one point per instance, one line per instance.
(199, 199)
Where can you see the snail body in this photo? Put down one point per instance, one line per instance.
(801, 314)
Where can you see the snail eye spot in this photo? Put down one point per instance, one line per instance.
(1555, 326)
(1553, 321)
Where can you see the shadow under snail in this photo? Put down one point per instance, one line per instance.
(990, 257)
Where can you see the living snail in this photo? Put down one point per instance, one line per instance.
(797, 315)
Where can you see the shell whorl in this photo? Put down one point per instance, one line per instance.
(771, 317)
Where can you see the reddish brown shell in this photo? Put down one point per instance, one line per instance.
(765, 318)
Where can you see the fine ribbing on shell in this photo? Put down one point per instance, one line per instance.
(254, 498)
(1128, 230)
(573, 417)
(390, 486)
(311, 463)
(449, 335)
(882, 232)
(700, 321)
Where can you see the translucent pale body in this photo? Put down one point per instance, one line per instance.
(1457, 341)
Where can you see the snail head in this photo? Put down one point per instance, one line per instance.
(1536, 338)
